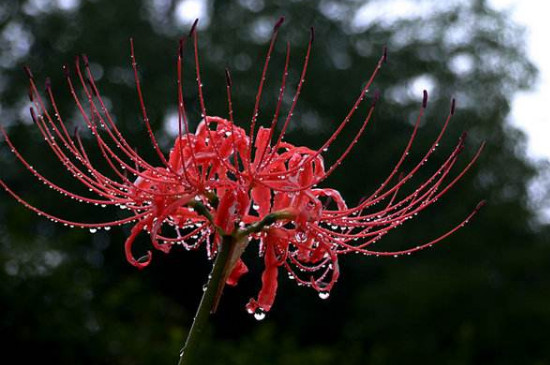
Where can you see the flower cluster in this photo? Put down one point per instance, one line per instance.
(224, 181)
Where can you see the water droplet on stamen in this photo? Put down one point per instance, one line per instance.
(259, 315)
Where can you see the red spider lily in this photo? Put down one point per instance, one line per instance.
(222, 181)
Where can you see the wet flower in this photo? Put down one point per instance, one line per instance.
(225, 181)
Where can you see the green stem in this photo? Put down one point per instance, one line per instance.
(266, 221)
(205, 307)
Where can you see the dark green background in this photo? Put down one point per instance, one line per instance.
(482, 296)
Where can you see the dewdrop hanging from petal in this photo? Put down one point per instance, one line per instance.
(224, 180)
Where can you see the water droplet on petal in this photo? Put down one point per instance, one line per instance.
(300, 236)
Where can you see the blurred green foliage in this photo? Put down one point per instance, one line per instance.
(482, 296)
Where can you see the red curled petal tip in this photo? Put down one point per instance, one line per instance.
(48, 84)
(85, 59)
(279, 23)
(143, 261)
(425, 99)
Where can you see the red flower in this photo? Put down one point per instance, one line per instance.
(222, 180)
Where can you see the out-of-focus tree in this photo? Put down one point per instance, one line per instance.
(69, 297)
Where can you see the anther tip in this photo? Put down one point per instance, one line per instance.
(66, 71)
(90, 82)
(228, 77)
(385, 54)
(376, 98)
(311, 34)
(33, 114)
(194, 27)
(27, 70)
(453, 106)
(425, 99)
(279, 23)
(481, 204)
